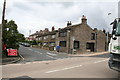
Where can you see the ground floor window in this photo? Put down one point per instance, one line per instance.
(45, 43)
(76, 44)
(87, 46)
(52, 43)
(62, 43)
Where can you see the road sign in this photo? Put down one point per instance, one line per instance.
(12, 52)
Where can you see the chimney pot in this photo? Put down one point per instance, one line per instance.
(69, 23)
(84, 20)
(53, 28)
(95, 28)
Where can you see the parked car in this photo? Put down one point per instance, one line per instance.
(27, 45)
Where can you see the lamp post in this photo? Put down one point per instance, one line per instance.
(29, 35)
(107, 35)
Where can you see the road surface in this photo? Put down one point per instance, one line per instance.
(30, 54)
(76, 67)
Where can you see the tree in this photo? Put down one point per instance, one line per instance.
(11, 36)
(34, 42)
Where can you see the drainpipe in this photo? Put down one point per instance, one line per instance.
(68, 41)
(96, 42)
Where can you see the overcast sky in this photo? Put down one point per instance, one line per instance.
(37, 15)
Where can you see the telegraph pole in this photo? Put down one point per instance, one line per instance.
(3, 14)
(1, 26)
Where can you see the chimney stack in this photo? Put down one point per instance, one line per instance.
(69, 23)
(95, 29)
(104, 30)
(46, 30)
(53, 28)
(84, 20)
(36, 31)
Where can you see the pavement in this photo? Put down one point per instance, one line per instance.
(77, 67)
(31, 55)
(89, 54)
(9, 60)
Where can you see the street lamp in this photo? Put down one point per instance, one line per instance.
(107, 35)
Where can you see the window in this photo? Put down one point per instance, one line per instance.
(44, 43)
(53, 36)
(45, 37)
(87, 46)
(40, 38)
(62, 34)
(37, 39)
(118, 29)
(92, 36)
(62, 43)
(76, 44)
(52, 43)
(90, 46)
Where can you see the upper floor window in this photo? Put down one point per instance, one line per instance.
(62, 34)
(45, 37)
(92, 36)
(53, 36)
(40, 38)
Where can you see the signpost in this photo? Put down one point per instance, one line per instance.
(12, 52)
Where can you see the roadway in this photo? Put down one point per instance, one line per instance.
(30, 54)
(58, 66)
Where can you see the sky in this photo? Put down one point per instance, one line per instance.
(36, 15)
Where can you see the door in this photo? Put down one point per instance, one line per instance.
(90, 46)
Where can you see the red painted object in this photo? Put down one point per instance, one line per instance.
(12, 52)
(4, 47)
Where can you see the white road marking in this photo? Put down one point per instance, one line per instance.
(64, 69)
(38, 52)
(22, 57)
(30, 49)
(51, 54)
(101, 61)
(35, 51)
(51, 57)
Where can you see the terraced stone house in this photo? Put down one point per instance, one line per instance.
(78, 38)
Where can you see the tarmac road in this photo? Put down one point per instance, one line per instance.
(44, 64)
(77, 67)
(30, 54)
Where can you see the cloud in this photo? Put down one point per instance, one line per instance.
(35, 15)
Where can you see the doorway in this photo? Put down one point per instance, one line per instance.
(90, 46)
